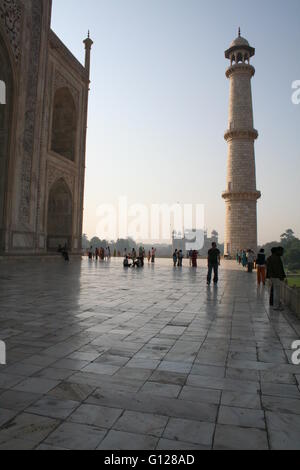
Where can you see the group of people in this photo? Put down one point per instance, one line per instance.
(213, 259)
(99, 253)
(267, 268)
(134, 260)
(178, 257)
(247, 259)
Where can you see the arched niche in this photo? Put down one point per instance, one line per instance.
(64, 124)
(60, 216)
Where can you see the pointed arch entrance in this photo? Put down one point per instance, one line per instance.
(60, 216)
(6, 97)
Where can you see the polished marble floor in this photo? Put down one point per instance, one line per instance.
(103, 358)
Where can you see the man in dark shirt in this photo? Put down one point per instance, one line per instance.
(275, 272)
(214, 261)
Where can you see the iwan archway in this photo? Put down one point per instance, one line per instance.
(60, 216)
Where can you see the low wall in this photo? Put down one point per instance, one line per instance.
(290, 297)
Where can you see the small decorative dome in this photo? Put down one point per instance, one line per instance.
(242, 46)
(240, 42)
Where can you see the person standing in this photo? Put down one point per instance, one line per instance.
(261, 268)
(214, 261)
(244, 259)
(276, 273)
(175, 258)
(250, 261)
(195, 259)
(153, 254)
(180, 258)
(191, 258)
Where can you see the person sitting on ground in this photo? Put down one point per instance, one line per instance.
(126, 263)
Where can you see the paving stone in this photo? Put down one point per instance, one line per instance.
(53, 408)
(117, 440)
(237, 438)
(6, 415)
(36, 385)
(156, 405)
(280, 390)
(99, 416)
(166, 377)
(190, 431)
(141, 423)
(76, 437)
(284, 430)
(241, 400)
(17, 444)
(167, 444)
(163, 390)
(27, 427)
(241, 417)
(281, 405)
(199, 395)
(18, 401)
(70, 391)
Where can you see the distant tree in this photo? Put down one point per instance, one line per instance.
(85, 242)
(95, 241)
(292, 254)
(288, 236)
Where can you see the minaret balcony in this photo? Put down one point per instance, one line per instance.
(240, 68)
(241, 195)
(246, 134)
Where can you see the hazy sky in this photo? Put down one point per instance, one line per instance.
(159, 102)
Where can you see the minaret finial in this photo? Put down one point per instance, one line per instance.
(88, 34)
(239, 32)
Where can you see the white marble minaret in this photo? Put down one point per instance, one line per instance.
(241, 195)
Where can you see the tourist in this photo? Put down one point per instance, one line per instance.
(149, 257)
(175, 258)
(195, 259)
(261, 268)
(244, 259)
(153, 255)
(180, 258)
(133, 254)
(126, 263)
(65, 253)
(250, 261)
(142, 255)
(214, 261)
(91, 253)
(276, 273)
(97, 253)
(190, 255)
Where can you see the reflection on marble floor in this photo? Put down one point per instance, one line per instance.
(103, 358)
